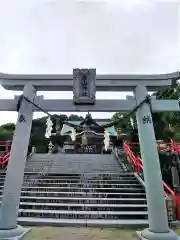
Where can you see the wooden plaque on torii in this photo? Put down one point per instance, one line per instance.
(84, 86)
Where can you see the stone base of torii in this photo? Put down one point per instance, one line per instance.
(157, 213)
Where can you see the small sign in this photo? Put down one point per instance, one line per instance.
(146, 119)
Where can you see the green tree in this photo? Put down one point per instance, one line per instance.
(168, 123)
(38, 130)
(6, 131)
(124, 123)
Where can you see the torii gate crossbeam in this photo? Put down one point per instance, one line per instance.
(108, 82)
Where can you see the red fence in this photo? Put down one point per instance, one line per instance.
(162, 146)
(4, 159)
(175, 146)
(6, 145)
(137, 165)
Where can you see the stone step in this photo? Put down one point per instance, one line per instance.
(69, 170)
(100, 223)
(73, 160)
(83, 214)
(83, 200)
(79, 185)
(81, 194)
(74, 165)
(82, 207)
(41, 178)
(78, 169)
(76, 189)
(72, 157)
(67, 181)
(83, 164)
(85, 178)
(86, 175)
(72, 170)
(70, 164)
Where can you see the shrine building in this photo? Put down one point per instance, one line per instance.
(89, 135)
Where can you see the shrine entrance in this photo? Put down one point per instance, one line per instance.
(85, 83)
(87, 136)
(89, 149)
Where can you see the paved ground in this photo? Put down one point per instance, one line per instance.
(78, 234)
(53, 233)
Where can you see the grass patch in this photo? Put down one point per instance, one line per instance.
(178, 231)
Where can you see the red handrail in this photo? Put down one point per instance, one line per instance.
(136, 162)
(6, 144)
(138, 166)
(173, 146)
(4, 160)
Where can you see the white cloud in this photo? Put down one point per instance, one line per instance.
(120, 36)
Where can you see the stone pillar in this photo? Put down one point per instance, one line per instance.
(157, 212)
(15, 169)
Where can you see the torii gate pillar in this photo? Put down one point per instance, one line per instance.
(157, 213)
(15, 170)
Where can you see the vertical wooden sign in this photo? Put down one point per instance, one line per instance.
(84, 86)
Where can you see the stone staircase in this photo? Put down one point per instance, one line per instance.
(80, 190)
(73, 163)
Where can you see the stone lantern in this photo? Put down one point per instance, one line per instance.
(50, 146)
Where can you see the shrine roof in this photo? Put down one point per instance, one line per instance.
(66, 130)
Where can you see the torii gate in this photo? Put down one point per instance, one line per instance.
(86, 81)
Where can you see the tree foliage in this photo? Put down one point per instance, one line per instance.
(37, 138)
(169, 122)
(6, 131)
(166, 124)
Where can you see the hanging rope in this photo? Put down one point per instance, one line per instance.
(45, 112)
(80, 127)
(128, 115)
(170, 90)
(113, 123)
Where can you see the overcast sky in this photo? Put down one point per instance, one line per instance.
(115, 36)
